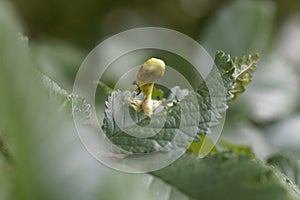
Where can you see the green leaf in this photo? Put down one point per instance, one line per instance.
(237, 149)
(225, 176)
(221, 85)
(64, 100)
(288, 165)
(20, 109)
(157, 93)
(55, 92)
(213, 93)
(43, 141)
(244, 68)
(226, 69)
(236, 73)
(164, 133)
(203, 145)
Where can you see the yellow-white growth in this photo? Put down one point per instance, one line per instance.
(149, 72)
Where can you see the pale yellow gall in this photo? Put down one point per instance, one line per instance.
(149, 72)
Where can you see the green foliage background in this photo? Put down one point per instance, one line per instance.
(41, 156)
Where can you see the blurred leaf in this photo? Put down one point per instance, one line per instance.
(225, 176)
(5, 168)
(287, 44)
(241, 27)
(55, 92)
(196, 147)
(4, 151)
(286, 8)
(242, 132)
(49, 162)
(271, 96)
(59, 60)
(4, 173)
(124, 186)
(157, 93)
(164, 191)
(20, 108)
(64, 101)
(285, 135)
(237, 149)
(288, 165)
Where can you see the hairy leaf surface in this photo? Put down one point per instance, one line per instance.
(172, 126)
(288, 165)
(225, 175)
